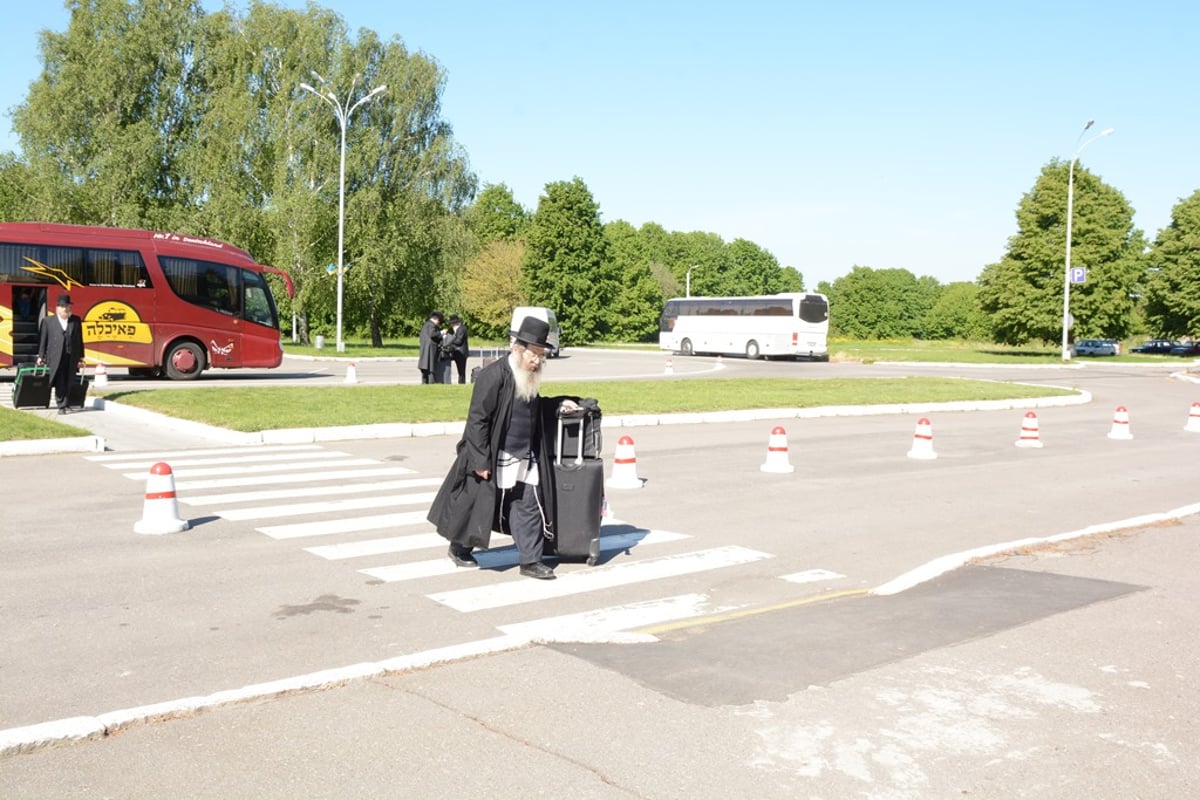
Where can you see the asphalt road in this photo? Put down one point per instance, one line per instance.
(728, 645)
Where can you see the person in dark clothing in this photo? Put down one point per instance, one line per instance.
(60, 347)
(429, 359)
(502, 478)
(456, 346)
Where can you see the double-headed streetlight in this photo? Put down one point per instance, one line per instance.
(1066, 318)
(342, 110)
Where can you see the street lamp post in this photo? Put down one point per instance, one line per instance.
(688, 290)
(1066, 315)
(342, 110)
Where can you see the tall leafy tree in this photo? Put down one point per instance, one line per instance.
(567, 266)
(956, 315)
(491, 286)
(495, 215)
(1023, 293)
(880, 303)
(103, 127)
(634, 315)
(1173, 289)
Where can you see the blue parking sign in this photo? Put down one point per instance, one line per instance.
(1078, 274)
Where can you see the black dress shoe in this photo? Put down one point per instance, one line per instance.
(462, 557)
(62, 411)
(537, 570)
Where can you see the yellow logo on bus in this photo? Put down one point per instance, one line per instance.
(112, 321)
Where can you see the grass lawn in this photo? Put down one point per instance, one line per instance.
(263, 408)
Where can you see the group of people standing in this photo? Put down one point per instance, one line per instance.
(441, 347)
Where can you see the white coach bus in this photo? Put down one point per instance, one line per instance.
(792, 324)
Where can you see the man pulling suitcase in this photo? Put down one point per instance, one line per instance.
(60, 347)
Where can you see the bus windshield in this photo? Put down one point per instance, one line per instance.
(793, 324)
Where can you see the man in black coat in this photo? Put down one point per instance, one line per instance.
(503, 478)
(60, 346)
(429, 357)
(457, 346)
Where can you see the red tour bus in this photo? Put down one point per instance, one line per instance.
(157, 303)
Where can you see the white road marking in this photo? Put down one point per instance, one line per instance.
(812, 576)
(506, 557)
(324, 506)
(229, 458)
(311, 491)
(611, 624)
(252, 470)
(329, 527)
(527, 591)
(377, 547)
(167, 455)
(293, 477)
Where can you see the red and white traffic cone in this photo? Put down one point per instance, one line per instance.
(351, 375)
(160, 513)
(922, 446)
(100, 377)
(777, 452)
(1193, 423)
(1120, 424)
(1029, 431)
(668, 370)
(624, 471)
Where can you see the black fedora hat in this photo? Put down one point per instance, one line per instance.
(533, 331)
(64, 300)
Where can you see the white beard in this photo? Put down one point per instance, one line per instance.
(528, 383)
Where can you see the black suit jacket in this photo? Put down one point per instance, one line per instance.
(50, 343)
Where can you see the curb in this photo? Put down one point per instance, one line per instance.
(402, 430)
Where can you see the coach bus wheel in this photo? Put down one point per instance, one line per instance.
(685, 347)
(185, 362)
(752, 350)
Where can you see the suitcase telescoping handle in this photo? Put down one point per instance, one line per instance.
(581, 421)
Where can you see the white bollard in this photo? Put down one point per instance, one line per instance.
(624, 471)
(100, 377)
(922, 445)
(1120, 424)
(160, 512)
(351, 375)
(777, 452)
(1029, 431)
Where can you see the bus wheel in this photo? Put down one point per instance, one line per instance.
(685, 347)
(185, 362)
(752, 349)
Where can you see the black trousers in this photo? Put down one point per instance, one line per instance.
(460, 361)
(61, 381)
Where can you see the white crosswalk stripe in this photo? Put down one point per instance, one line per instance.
(326, 493)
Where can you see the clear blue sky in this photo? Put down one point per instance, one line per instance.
(882, 134)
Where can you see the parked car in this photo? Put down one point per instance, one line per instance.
(1095, 347)
(1155, 346)
(1189, 349)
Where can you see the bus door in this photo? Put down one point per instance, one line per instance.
(21, 309)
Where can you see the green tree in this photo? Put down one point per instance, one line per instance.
(491, 286)
(633, 317)
(103, 128)
(1023, 293)
(1173, 289)
(495, 215)
(567, 266)
(880, 303)
(956, 315)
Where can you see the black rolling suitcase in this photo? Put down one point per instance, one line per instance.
(31, 388)
(77, 391)
(580, 492)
